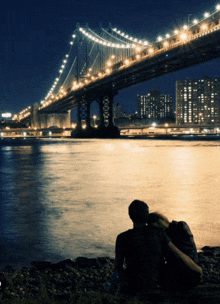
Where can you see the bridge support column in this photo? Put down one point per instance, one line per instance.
(83, 114)
(106, 110)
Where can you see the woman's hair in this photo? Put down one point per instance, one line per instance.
(156, 218)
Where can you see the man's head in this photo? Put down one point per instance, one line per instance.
(138, 212)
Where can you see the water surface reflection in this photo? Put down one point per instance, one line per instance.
(68, 198)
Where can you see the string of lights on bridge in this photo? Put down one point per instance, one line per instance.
(126, 42)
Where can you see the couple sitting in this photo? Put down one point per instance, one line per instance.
(160, 254)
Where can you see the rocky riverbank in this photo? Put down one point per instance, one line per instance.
(81, 281)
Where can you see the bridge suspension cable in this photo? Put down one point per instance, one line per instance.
(130, 38)
(95, 37)
(117, 38)
(63, 65)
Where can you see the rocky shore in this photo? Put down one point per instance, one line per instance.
(81, 281)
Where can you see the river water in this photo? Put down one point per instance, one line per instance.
(64, 198)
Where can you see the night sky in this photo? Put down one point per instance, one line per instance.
(35, 36)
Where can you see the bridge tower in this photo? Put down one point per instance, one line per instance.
(105, 102)
(106, 110)
(106, 127)
(83, 112)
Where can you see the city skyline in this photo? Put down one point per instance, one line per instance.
(35, 37)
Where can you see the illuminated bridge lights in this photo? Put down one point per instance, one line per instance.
(96, 38)
(127, 62)
(166, 44)
(195, 21)
(108, 71)
(204, 27)
(140, 49)
(183, 37)
(130, 38)
(151, 51)
(109, 63)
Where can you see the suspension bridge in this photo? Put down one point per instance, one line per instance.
(102, 62)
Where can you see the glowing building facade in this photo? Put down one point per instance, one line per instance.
(198, 101)
(155, 105)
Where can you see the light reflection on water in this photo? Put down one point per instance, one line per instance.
(67, 198)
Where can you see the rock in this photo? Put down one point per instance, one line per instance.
(62, 279)
(9, 269)
(41, 264)
(63, 264)
(103, 261)
(86, 262)
(211, 251)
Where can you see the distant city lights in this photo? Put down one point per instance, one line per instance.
(6, 115)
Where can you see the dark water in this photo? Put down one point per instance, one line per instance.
(67, 198)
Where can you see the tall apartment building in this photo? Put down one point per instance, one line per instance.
(117, 111)
(198, 101)
(155, 105)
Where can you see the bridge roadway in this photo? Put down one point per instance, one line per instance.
(200, 48)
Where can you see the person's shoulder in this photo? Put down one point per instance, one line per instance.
(125, 233)
(180, 224)
(156, 231)
(132, 232)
